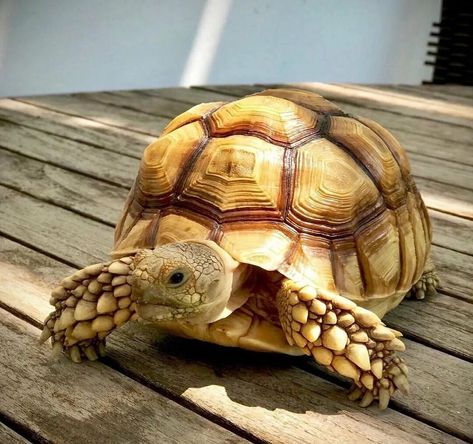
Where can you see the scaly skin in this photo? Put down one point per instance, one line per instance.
(426, 286)
(89, 305)
(344, 338)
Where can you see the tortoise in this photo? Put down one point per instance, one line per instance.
(274, 223)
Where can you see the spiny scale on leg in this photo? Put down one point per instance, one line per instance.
(345, 338)
(88, 308)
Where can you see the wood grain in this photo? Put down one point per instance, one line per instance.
(67, 189)
(456, 271)
(430, 92)
(135, 101)
(80, 129)
(442, 322)
(265, 394)
(59, 232)
(100, 112)
(9, 436)
(69, 154)
(52, 397)
(398, 102)
(446, 198)
(452, 232)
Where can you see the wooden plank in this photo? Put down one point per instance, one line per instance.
(142, 103)
(442, 322)
(287, 388)
(366, 96)
(104, 202)
(444, 171)
(446, 198)
(429, 92)
(452, 90)
(75, 239)
(92, 161)
(99, 112)
(93, 404)
(73, 191)
(262, 393)
(187, 95)
(452, 232)
(92, 198)
(9, 436)
(390, 120)
(456, 272)
(424, 377)
(79, 129)
(435, 148)
(447, 172)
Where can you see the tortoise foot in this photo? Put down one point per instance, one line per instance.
(346, 339)
(369, 389)
(426, 286)
(89, 305)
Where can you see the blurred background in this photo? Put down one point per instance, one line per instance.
(53, 46)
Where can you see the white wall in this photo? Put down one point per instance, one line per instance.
(54, 46)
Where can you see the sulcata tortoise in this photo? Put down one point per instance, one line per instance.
(274, 223)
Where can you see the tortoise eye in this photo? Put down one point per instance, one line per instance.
(176, 278)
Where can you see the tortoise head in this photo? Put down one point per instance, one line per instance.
(191, 281)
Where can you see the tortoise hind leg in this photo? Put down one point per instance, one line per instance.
(427, 284)
(345, 338)
(89, 305)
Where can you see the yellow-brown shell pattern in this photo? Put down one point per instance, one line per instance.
(284, 180)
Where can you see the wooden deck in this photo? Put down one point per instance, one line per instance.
(67, 163)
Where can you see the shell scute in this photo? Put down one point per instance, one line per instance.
(307, 99)
(237, 177)
(277, 120)
(197, 112)
(331, 192)
(373, 154)
(378, 252)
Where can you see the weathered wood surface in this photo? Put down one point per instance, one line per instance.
(67, 162)
(9, 436)
(99, 112)
(440, 92)
(266, 394)
(61, 404)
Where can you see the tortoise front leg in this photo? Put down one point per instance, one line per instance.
(345, 338)
(90, 304)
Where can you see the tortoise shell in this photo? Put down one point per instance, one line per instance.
(284, 180)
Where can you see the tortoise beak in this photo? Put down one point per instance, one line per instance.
(154, 312)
